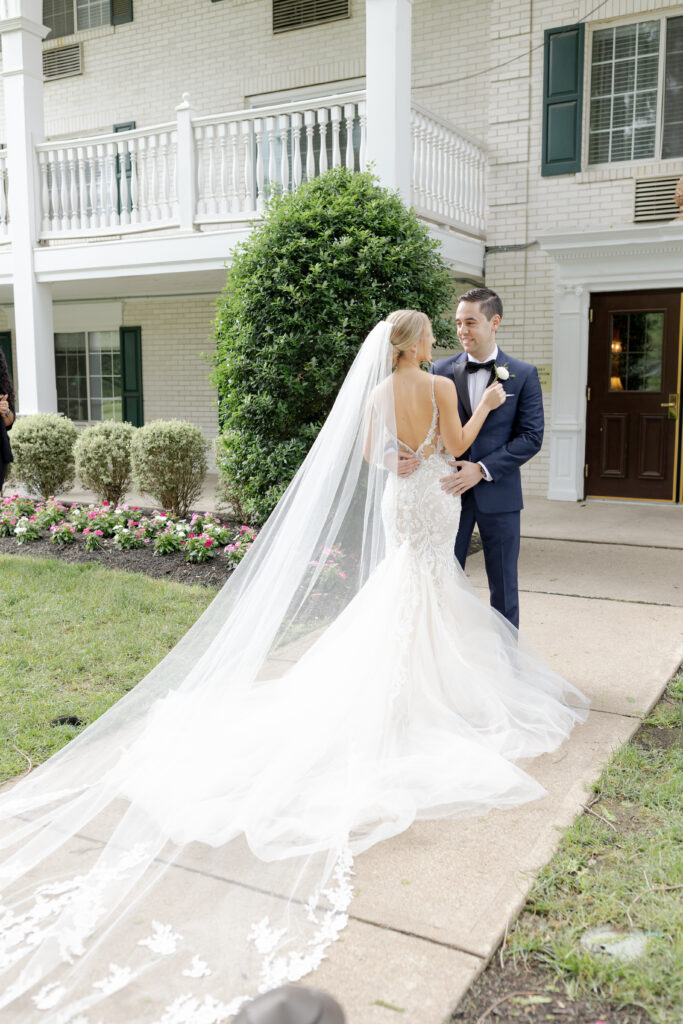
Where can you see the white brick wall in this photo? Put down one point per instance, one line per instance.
(175, 333)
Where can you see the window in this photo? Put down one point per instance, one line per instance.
(636, 92)
(291, 14)
(64, 17)
(88, 370)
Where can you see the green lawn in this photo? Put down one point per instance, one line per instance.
(621, 866)
(74, 639)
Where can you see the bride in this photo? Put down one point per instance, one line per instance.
(195, 844)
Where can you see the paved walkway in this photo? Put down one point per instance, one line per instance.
(602, 600)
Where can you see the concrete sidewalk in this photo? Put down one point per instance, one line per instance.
(602, 600)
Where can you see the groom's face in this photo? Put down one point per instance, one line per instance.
(477, 335)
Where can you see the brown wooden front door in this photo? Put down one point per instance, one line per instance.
(633, 395)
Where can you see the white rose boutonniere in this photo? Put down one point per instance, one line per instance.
(502, 372)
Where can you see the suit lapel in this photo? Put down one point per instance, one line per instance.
(460, 378)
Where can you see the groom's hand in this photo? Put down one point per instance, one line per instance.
(457, 483)
(407, 463)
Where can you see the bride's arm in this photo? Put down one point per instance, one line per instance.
(457, 438)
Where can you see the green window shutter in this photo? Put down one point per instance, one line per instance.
(131, 375)
(562, 100)
(121, 11)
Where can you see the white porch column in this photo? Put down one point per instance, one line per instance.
(22, 33)
(570, 367)
(388, 33)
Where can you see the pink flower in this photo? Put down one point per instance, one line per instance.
(208, 543)
(190, 535)
(314, 563)
(342, 575)
(98, 533)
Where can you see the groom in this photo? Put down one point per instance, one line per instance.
(488, 478)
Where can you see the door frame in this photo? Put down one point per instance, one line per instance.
(638, 258)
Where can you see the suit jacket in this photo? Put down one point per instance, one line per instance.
(511, 434)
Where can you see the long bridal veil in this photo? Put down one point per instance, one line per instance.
(194, 845)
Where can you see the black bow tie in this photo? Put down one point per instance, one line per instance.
(472, 367)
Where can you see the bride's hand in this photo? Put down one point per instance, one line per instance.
(493, 396)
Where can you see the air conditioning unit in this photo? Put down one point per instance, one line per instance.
(290, 14)
(62, 62)
(655, 199)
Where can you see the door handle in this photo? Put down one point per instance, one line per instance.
(672, 406)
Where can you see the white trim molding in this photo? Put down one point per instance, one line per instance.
(624, 259)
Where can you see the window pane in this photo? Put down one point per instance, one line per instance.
(636, 363)
(672, 128)
(105, 376)
(91, 13)
(72, 391)
(627, 70)
(58, 15)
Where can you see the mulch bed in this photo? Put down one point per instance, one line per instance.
(212, 574)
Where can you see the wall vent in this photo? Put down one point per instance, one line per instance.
(290, 14)
(62, 62)
(655, 199)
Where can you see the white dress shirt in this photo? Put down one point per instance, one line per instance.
(476, 386)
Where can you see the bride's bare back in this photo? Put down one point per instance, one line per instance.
(414, 409)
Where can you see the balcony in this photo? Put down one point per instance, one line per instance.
(192, 189)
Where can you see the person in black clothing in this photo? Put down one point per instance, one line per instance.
(7, 404)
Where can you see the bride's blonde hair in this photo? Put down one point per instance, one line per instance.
(406, 330)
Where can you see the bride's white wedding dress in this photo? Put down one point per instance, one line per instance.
(203, 848)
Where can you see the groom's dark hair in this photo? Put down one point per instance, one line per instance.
(489, 301)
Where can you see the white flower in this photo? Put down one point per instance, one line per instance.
(199, 968)
(502, 373)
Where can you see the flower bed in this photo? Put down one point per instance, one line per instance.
(124, 536)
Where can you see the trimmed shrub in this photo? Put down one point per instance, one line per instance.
(303, 291)
(169, 463)
(102, 455)
(43, 449)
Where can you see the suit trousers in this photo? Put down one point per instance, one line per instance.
(499, 533)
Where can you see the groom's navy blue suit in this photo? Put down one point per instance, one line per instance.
(510, 436)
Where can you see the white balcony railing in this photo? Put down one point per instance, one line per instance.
(201, 171)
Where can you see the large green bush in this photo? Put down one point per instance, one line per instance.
(169, 463)
(328, 262)
(43, 450)
(102, 456)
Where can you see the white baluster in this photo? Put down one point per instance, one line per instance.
(101, 180)
(223, 204)
(91, 164)
(165, 177)
(260, 171)
(82, 188)
(335, 118)
(309, 120)
(153, 177)
(296, 151)
(74, 219)
(283, 125)
(272, 156)
(124, 180)
(249, 197)
(134, 195)
(64, 189)
(210, 171)
(234, 163)
(200, 143)
(54, 189)
(44, 190)
(442, 170)
(143, 179)
(349, 115)
(322, 135)
(363, 118)
(415, 153)
(113, 192)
